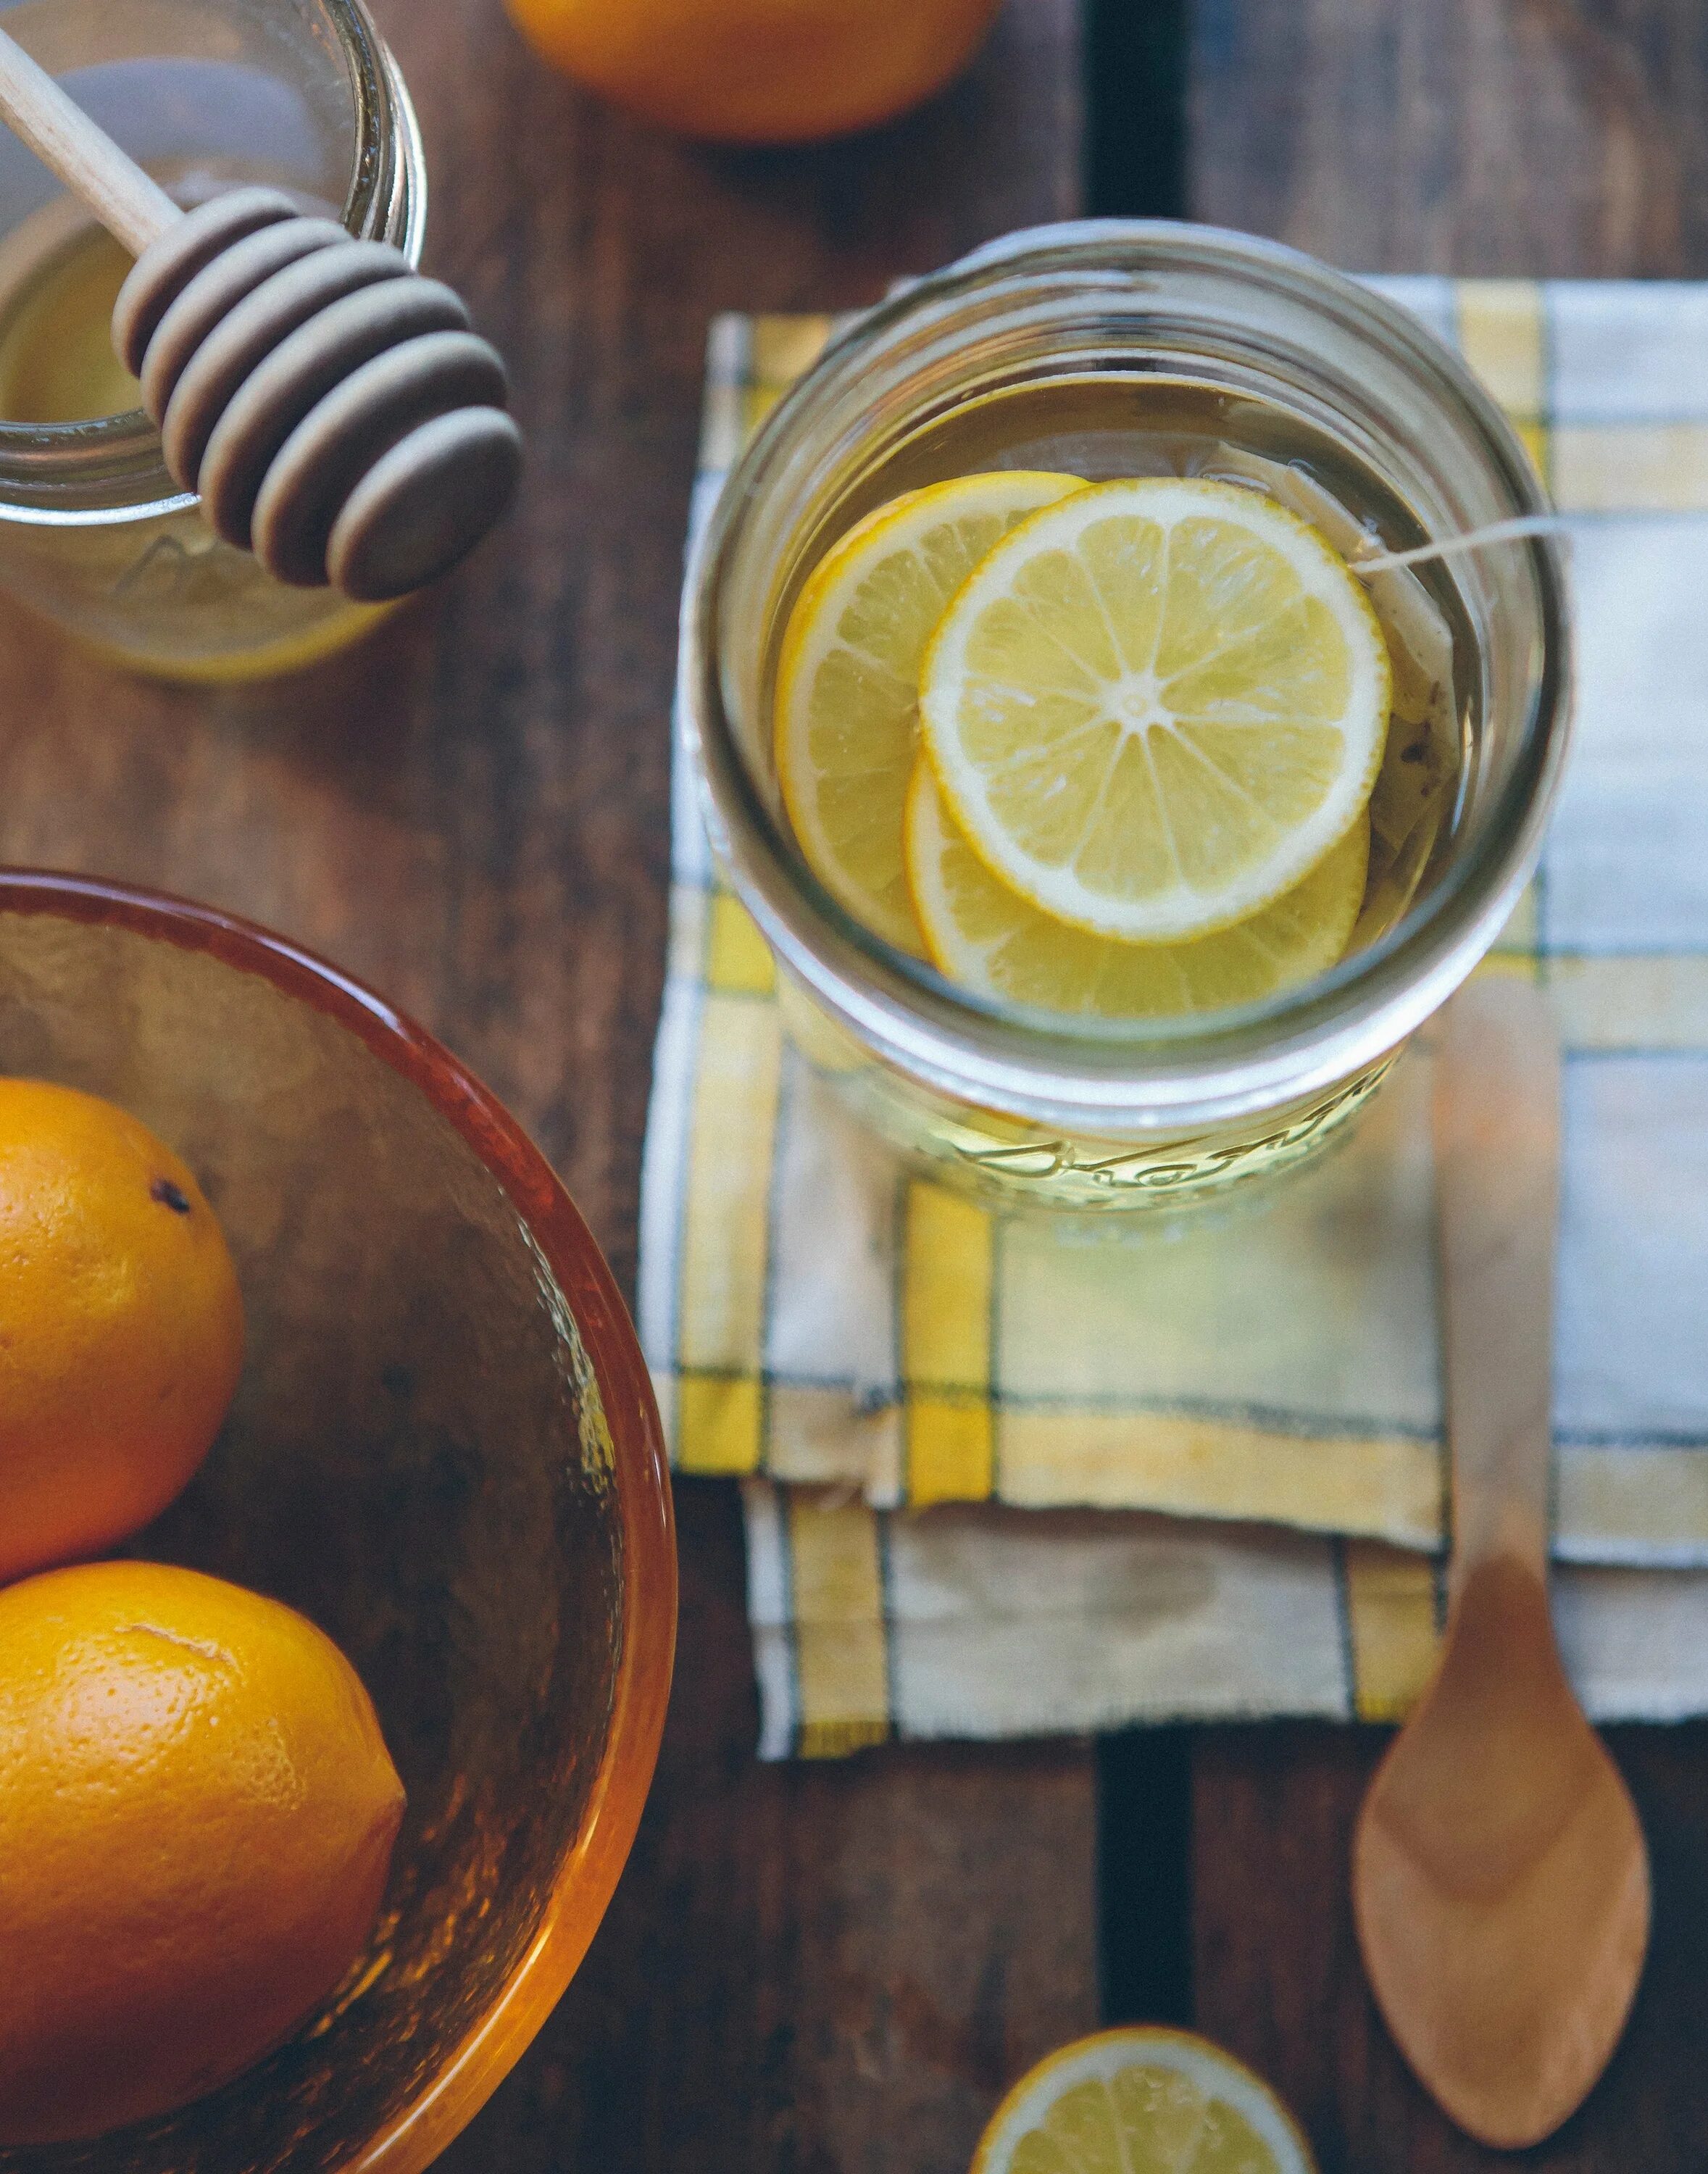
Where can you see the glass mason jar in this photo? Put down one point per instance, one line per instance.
(206, 94)
(1012, 357)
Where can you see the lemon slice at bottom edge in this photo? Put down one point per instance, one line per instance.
(995, 943)
(1154, 2100)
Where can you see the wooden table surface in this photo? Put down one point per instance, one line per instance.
(835, 1970)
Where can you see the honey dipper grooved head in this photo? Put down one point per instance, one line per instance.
(328, 404)
(161, 275)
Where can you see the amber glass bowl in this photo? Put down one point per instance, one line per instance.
(445, 1451)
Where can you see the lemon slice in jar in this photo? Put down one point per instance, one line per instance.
(997, 943)
(1156, 706)
(1144, 2098)
(848, 678)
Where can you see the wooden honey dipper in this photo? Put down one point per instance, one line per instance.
(327, 404)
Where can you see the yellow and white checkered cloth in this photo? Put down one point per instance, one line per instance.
(956, 1432)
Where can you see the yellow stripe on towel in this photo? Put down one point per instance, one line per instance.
(946, 1271)
(1390, 1624)
(1631, 467)
(1503, 334)
(840, 1658)
(1639, 1502)
(726, 1238)
(719, 1422)
(739, 961)
(784, 349)
(1388, 1487)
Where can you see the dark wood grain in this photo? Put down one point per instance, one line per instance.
(1565, 137)
(812, 1972)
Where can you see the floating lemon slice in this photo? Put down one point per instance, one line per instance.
(1149, 2101)
(1156, 706)
(994, 942)
(848, 681)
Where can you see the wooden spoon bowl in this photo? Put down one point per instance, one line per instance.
(1499, 1879)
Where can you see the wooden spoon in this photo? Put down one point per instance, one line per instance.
(1499, 1879)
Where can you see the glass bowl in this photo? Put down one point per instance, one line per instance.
(445, 1451)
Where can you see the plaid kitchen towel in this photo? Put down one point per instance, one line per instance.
(885, 1364)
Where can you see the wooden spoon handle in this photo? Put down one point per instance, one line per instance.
(127, 202)
(1497, 1191)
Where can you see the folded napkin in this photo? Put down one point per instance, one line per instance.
(946, 1419)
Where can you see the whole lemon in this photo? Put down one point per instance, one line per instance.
(197, 1815)
(121, 1325)
(759, 71)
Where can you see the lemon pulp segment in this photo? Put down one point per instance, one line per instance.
(848, 678)
(1156, 706)
(994, 941)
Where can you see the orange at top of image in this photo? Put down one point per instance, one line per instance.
(123, 1335)
(759, 71)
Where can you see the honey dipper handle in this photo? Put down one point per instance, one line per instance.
(131, 206)
(1497, 1186)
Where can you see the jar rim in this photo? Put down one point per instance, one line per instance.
(1299, 1040)
(119, 455)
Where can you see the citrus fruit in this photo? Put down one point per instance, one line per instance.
(121, 1325)
(196, 1814)
(994, 942)
(848, 678)
(1142, 2100)
(759, 71)
(1156, 706)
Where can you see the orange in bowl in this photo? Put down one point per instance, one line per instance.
(196, 1814)
(759, 71)
(121, 1325)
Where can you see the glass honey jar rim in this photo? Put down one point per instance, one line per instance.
(109, 469)
(1076, 281)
